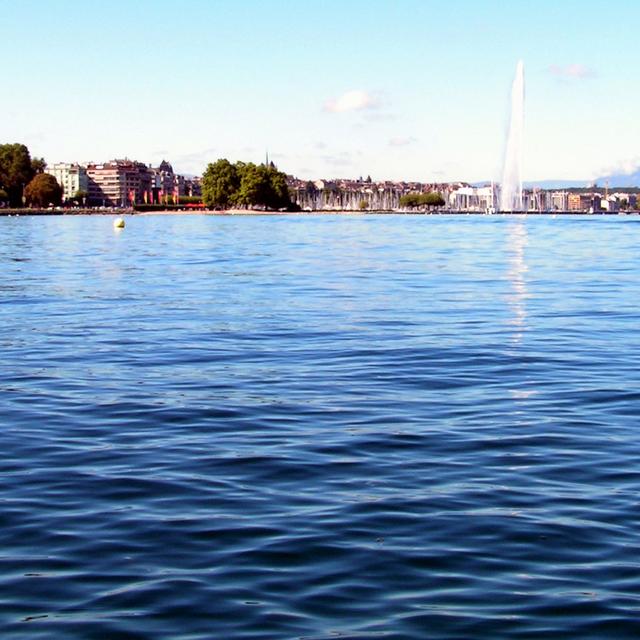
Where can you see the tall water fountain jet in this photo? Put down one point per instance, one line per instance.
(511, 186)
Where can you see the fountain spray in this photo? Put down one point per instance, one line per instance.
(511, 186)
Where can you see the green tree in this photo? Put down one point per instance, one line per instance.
(220, 182)
(254, 185)
(430, 199)
(16, 171)
(38, 165)
(433, 199)
(80, 196)
(363, 205)
(43, 191)
(410, 200)
(245, 184)
(279, 196)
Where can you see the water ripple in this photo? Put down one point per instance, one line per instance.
(319, 427)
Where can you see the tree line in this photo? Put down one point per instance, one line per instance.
(245, 184)
(23, 181)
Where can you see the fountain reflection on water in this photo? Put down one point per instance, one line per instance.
(511, 186)
(517, 237)
(517, 301)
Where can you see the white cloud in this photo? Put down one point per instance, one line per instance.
(341, 159)
(575, 71)
(194, 162)
(355, 100)
(622, 168)
(401, 141)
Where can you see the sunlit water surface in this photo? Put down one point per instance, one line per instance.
(320, 426)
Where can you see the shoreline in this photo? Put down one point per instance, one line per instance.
(250, 212)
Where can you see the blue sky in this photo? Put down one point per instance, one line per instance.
(414, 89)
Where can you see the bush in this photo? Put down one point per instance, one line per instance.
(430, 199)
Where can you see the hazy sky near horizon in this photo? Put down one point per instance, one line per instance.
(413, 89)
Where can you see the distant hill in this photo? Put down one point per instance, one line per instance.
(547, 184)
(622, 179)
(557, 184)
(615, 181)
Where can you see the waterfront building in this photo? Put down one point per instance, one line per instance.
(467, 198)
(71, 177)
(165, 184)
(622, 200)
(164, 181)
(577, 202)
(609, 204)
(118, 183)
(192, 186)
(560, 201)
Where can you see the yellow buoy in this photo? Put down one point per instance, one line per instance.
(118, 223)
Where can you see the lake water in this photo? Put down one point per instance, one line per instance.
(320, 427)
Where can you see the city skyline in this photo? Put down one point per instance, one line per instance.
(406, 90)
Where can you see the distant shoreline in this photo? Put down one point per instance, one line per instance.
(251, 212)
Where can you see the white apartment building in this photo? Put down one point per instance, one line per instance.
(71, 177)
(559, 201)
(473, 198)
